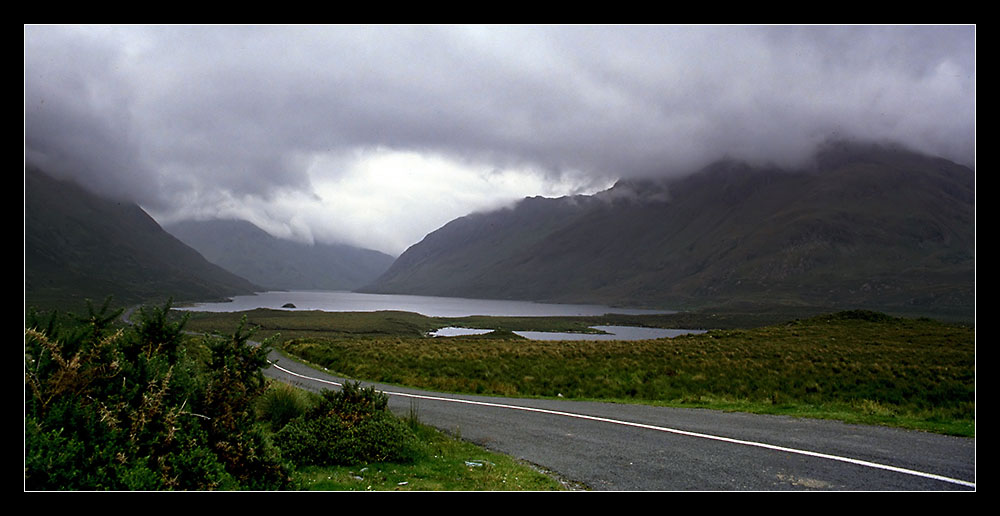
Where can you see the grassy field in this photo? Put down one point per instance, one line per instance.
(857, 366)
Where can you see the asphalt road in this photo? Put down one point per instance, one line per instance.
(618, 447)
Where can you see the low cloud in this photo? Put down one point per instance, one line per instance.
(195, 121)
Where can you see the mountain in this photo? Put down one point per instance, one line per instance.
(78, 245)
(279, 264)
(868, 226)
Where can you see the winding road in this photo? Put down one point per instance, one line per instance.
(621, 447)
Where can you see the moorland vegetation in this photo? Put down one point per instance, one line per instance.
(152, 407)
(857, 365)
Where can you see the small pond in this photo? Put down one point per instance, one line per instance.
(613, 333)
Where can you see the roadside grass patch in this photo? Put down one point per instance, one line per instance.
(280, 404)
(447, 464)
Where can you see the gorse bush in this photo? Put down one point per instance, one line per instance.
(127, 409)
(352, 401)
(332, 441)
(349, 426)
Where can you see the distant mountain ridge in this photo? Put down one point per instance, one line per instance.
(278, 264)
(78, 245)
(869, 226)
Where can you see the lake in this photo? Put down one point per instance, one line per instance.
(613, 333)
(431, 306)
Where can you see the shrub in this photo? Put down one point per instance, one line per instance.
(350, 426)
(858, 315)
(353, 401)
(109, 409)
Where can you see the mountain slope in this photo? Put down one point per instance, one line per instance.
(252, 253)
(78, 245)
(869, 226)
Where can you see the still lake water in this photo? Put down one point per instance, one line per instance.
(343, 301)
(613, 333)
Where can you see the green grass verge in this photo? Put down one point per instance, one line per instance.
(448, 464)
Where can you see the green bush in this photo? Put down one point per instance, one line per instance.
(350, 426)
(352, 400)
(127, 409)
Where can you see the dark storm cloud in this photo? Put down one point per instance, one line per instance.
(177, 115)
(76, 117)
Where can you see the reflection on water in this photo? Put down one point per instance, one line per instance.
(453, 331)
(613, 333)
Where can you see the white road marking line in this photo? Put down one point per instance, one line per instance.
(668, 430)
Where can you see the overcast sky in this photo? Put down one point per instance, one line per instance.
(378, 135)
